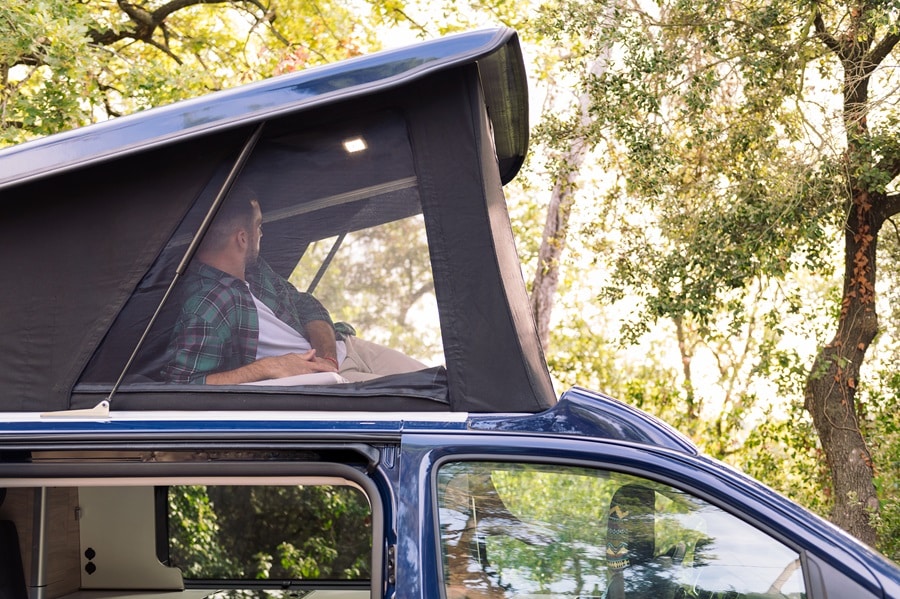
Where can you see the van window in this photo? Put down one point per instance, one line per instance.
(230, 538)
(280, 534)
(560, 531)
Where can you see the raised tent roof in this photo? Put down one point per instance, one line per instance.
(496, 51)
(100, 223)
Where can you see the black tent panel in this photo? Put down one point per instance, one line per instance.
(76, 246)
(310, 188)
(496, 363)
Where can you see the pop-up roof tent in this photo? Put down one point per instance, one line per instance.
(348, 160)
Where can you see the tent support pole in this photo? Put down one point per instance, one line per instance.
(325, 263)
(236, 169)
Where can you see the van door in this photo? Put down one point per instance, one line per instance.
(542, 517)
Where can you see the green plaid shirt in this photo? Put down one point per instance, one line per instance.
(218, 329)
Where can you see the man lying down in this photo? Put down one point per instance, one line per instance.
(243, 323)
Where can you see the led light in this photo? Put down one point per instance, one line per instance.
(355, 144)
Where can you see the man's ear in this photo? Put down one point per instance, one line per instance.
(242, 238)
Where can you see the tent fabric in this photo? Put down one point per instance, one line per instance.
(423, 391)
(93, 237)
(467, 217)
(284, 170)
(76, 247)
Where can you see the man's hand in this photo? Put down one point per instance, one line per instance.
(293, 363)
(328, 364)
(273, 367)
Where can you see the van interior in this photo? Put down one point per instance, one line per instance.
(179, 524)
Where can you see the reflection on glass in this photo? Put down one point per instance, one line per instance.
(512, 530)
(287, 593)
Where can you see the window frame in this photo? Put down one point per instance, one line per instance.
(121, 471)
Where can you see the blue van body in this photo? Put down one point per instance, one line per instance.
(402, 455)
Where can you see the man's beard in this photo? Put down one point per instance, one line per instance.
(252, 259)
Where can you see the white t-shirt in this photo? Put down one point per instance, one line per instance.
(277, 338)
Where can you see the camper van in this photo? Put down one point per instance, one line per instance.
(275, 342)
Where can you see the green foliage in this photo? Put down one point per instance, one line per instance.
(193, 534)
(659, 393)
(783, 451)
(882, 426)
(313, 532)
(697, 124)
(732, 175)
(582, 356)
(42, 89)
(427, 19)
(66, 64)
(527, 217)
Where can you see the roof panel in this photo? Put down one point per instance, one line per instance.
(294, 92)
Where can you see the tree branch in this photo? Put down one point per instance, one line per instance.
(146, 23)
(883, 48)
(160, 14)
(165, 49)
(822, 33)
(891, 205)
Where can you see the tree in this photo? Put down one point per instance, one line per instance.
(565, 174)
(716, 116)
(871, 162)
(65, 64)
(379, 280)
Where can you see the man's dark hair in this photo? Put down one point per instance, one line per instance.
(235, 212)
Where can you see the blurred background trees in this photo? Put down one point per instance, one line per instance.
(66, 64)
(316, 532)
(710, 194)
(754, 151)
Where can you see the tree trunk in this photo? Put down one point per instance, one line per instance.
(553, 240)
(832, 383)
(556, 228)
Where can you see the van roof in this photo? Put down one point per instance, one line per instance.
(495, 51)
